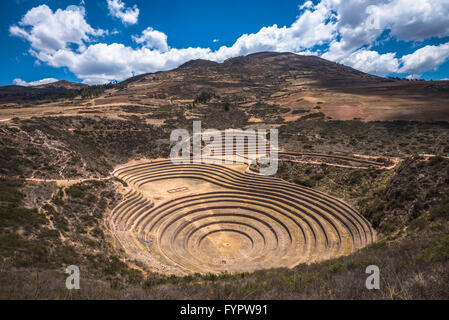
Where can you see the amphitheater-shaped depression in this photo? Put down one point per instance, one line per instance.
(188, 218)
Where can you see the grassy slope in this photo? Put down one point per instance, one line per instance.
(43, 232)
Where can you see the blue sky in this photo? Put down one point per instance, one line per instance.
(95, 41)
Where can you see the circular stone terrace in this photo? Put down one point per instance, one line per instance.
(210, 218)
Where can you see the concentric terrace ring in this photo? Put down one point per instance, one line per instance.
(244, 223)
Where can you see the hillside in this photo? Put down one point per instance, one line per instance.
(63, 84)
(297, 84)
(13, 94)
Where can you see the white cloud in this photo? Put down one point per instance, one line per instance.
(101, 62)
(215, 40)
(21, 82)
(360, 23)
(413, 76)
(306, 5)
(412, 20)
(314, 26)
(152, 39)
(49, 31)
(118, 9)
(372, 62)
(425, 59)
(342, 31)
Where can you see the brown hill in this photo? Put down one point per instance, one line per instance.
(296, 84)
(16, 93)
(300, 83)
(63, 84)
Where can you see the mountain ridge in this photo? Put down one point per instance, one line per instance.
(297, 83)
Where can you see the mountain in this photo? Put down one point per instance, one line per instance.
(63, 84)
(263, 66)
(296, 82)
(15, 93)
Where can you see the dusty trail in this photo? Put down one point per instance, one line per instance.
(67, 182)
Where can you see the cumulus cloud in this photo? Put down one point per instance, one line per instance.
(21, 82)
(101, 63)
(342, 31)
(153, 39)
(362, 22)
(118, 9)
(425, 59)
(411, 20)
(413, 76)
(49, 31)
(372, 62)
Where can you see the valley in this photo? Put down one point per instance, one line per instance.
(86, 178)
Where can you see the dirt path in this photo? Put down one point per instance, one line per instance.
(67, 182)
(392, 166)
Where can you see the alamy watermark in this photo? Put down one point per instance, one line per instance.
(373, 280)
(231, 146)
(73, 280)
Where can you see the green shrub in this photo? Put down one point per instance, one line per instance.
(440, 210)
(438, 253)
(20, 217)
(313, 115)
(204, 97)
